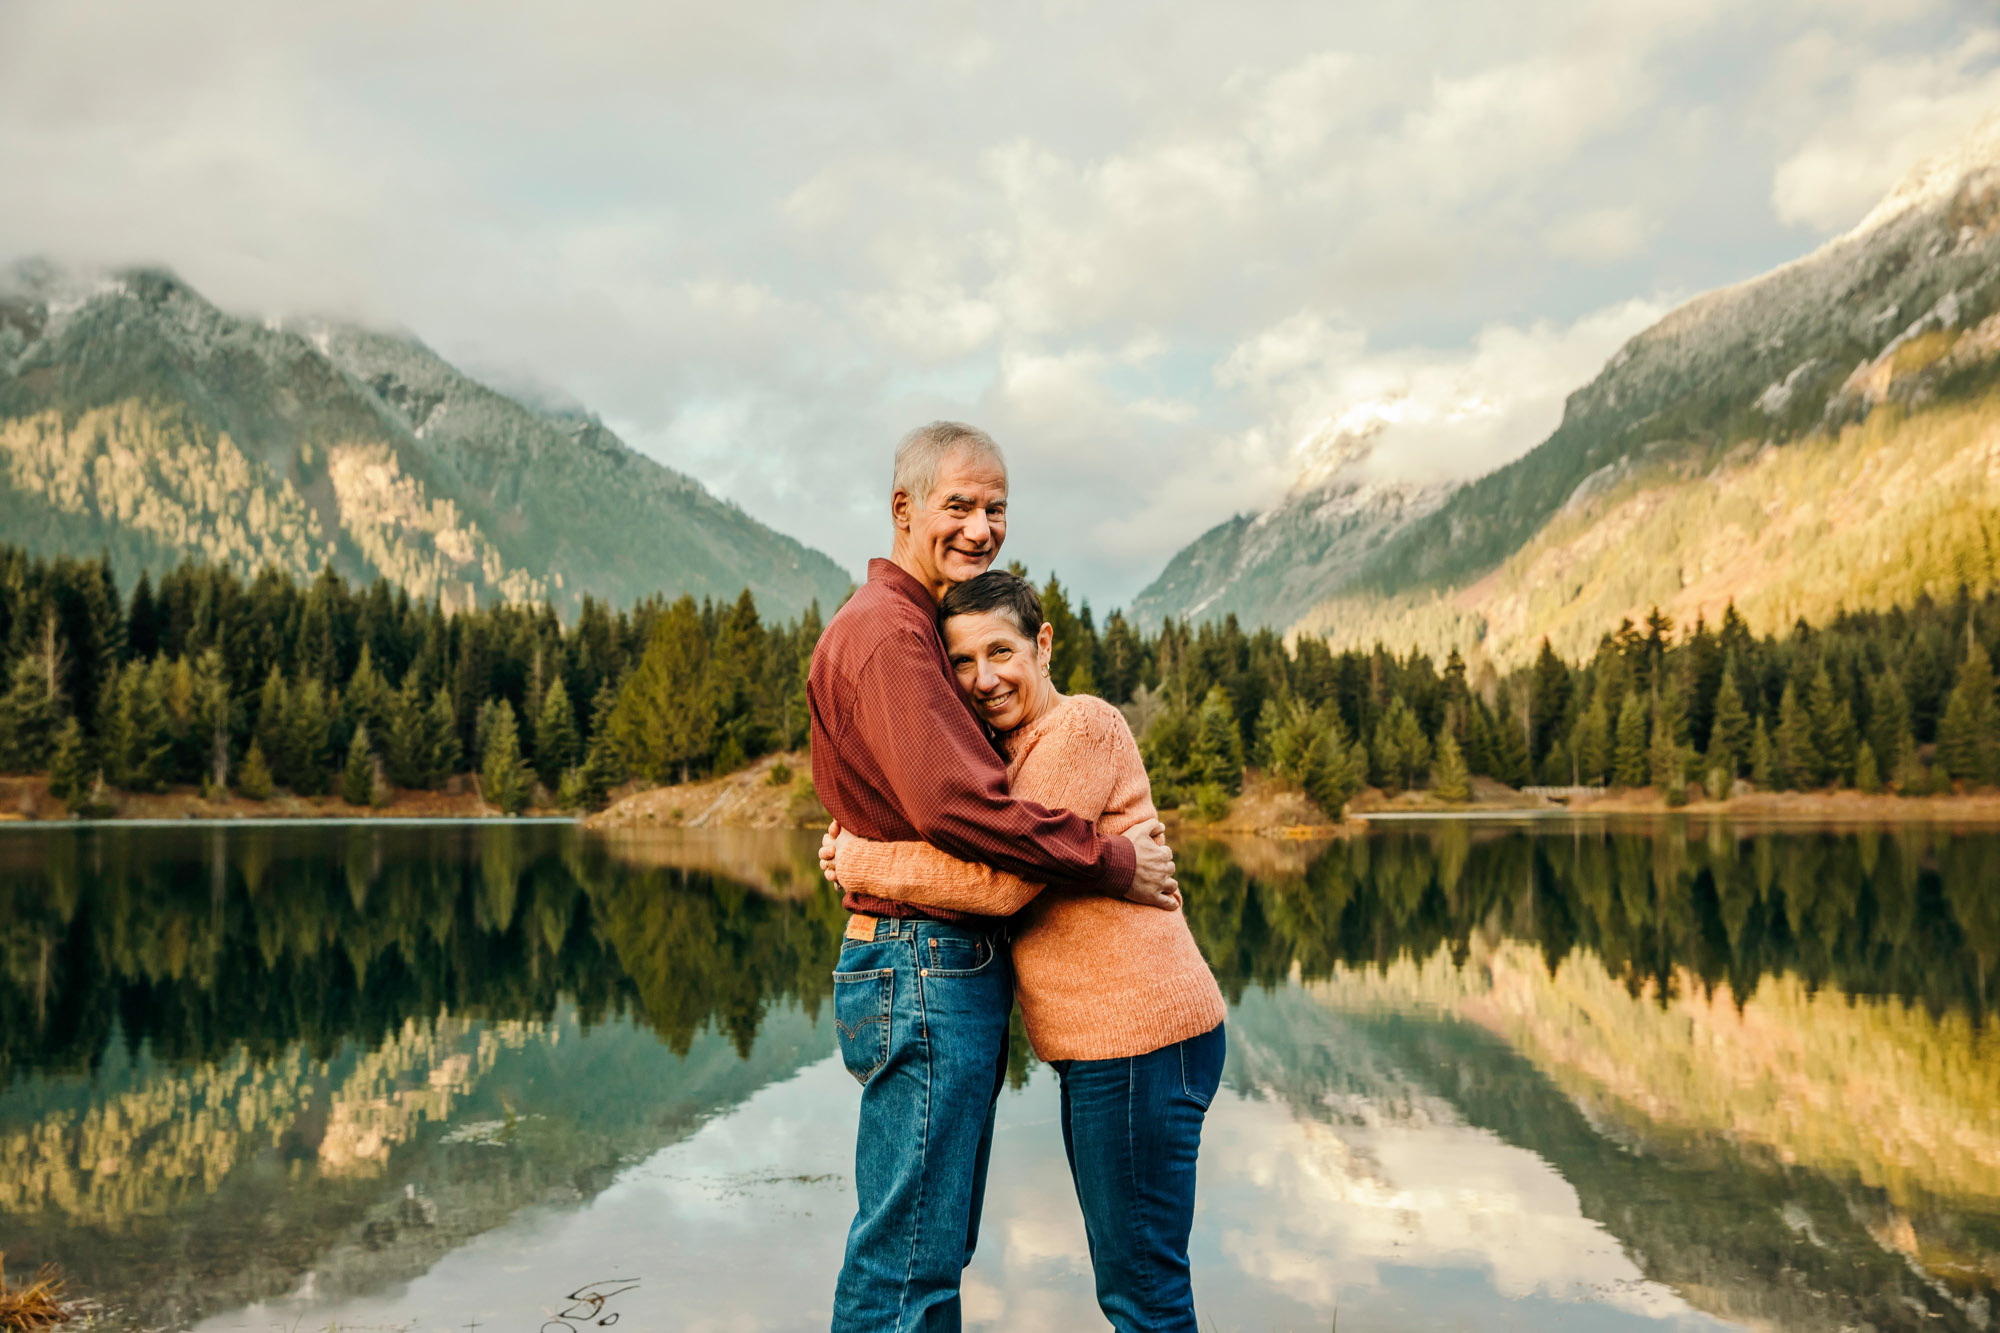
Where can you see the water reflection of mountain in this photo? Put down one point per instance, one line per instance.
(1661, 1029)
(235, 1063)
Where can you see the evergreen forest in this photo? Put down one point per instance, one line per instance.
(322, 686)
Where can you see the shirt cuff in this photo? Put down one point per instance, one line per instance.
(1121, 864)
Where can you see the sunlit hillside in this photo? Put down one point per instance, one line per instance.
(139, 419)
(1890, 1103)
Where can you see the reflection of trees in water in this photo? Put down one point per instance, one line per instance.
(195, 945)
(238, 981)
(1680, 1041)
(1909, 913)
(201, 1029)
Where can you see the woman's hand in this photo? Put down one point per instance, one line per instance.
(829, 850)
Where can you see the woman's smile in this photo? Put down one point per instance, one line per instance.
(1001, 671)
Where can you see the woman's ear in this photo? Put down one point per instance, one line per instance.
(1045, 642)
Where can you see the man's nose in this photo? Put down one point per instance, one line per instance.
(977, 530)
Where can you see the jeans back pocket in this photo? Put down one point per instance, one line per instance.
(861, 1004)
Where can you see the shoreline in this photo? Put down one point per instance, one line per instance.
(751, 798)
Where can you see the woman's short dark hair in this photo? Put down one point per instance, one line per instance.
(996, 590)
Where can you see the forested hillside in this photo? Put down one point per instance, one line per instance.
(322, 686)
(1818, 438)
(138, 419)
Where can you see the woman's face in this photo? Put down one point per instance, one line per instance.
(999, 669)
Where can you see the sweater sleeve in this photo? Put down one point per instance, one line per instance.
(1129, 802)
(916, 872)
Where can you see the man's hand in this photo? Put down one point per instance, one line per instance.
(829, 848)
(1153, 879)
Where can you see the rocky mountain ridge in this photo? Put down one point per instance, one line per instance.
(138, 418)
(1810, 439)
(1263, 568)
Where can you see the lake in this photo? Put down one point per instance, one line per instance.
(1554, 1076)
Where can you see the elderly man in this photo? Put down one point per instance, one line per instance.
(921, 998)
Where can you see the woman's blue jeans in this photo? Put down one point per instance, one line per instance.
(921, 1010)
(1132, 1129)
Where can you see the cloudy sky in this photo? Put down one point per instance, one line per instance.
(1154, 247)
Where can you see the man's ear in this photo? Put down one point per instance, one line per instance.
(899, 510)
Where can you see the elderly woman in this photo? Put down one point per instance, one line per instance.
(1115, 996)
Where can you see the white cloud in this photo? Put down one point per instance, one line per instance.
(1414, 412)
(1600, 236)
(1896, 110)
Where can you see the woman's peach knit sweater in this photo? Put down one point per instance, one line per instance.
(1098, 978)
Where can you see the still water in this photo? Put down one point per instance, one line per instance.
(1564, 1077)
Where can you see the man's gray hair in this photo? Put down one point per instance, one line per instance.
(920, 455)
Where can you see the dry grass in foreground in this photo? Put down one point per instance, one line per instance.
(38, 1305)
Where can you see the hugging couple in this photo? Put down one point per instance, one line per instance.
(996, 840)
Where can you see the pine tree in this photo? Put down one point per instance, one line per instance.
(274, 704)
(213, 712)
(357, 777)
(1795, 761)
(1909, 777)
(666, 714)
(503, 778)
(1335, 767)
(309, 738)
(1866, 778)
(72, 767)
(137, 743)
(443, 759)
(602, 767)
(1216, 758)
(556, 744)
(1763, 765)
(1729, 734)
(253, 780)
(27, 719)
(1629, 756)
(1449, 779)
(406, 754)
(1969, 730)
(1665, 757)
(1833, 729)
(1593, 742)
(1889, 721)
(1510, 748)
(367, 700)
(1401, 752)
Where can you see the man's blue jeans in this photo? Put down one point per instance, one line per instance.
(921, 1010)
(1132, 1129)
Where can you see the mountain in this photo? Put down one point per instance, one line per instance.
(138, 418)
(1263, 568)
(1818, 437)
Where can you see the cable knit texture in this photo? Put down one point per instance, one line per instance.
(1098, 978)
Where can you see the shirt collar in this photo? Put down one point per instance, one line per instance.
(900, 581)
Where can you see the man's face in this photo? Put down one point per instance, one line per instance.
(954, 535)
